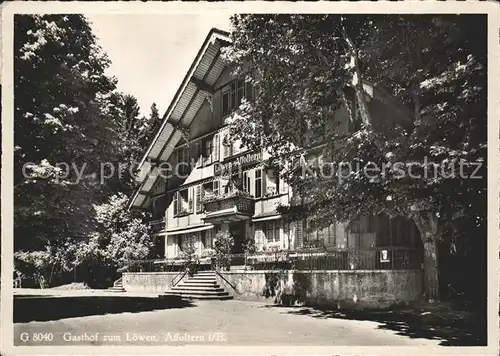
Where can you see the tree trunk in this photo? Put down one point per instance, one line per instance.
(429, 233)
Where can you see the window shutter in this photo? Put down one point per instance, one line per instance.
(286, 234)
(198, 198)
(175, 200)
(179, 202)
(216, 147)
(227, 147)
(190, 199)
(264, 179)
(198, 153)
(299, 234)
(249, 91)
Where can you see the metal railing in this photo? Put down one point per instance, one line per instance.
(118, 282)
(395, 258)
(178, 278)
(154, 265)
(341, 259)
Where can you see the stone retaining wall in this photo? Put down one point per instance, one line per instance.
(352, 289)
(149, 282)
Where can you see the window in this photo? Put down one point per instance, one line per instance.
(199, 197)
(258, 183)
(216, 187)
(207, 150)
(175, 203)
(160, 185)
(321, 234)
(182, 201)
(236, 147)
(216, 147)
(240, 90)
(272, 231)
(246, 182)
(228, 148)
(233, 94)
(183, 160)
(332, 234)
(273, 182)
(199, 153)
(310, 235)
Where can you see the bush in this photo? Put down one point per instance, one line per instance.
(223, 244)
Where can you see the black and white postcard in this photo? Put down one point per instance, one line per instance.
(250, 178)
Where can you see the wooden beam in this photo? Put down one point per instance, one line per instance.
(202, 85)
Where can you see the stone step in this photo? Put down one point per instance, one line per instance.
(202, 281)
(198, 285)
(203, 278)
(189, 288)
(198, 292)
(116, 289)
(196, 296)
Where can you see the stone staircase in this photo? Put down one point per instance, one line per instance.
(117, 286)
(202, 285)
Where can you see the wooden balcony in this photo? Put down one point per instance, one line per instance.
(234, 206)
(158, 225)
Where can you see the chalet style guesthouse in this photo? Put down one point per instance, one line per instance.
(203, 198)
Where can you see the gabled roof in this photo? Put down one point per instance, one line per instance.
(198, 82)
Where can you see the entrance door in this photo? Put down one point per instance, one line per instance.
(237, 230)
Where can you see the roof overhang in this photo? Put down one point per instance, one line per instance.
(195, 87)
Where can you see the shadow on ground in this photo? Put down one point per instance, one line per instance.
(450, 329)
(45, 308)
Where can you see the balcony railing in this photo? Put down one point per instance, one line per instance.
(241, 201)
(157, 225)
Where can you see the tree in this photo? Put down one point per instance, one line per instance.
(119, 236)
(308, 67)
(70, 125)
(60, 135)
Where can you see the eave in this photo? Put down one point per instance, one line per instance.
(196, 85)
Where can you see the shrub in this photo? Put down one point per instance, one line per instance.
(223, 244)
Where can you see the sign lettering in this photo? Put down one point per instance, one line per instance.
(237, 164)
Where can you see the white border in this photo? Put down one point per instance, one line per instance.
(95, 7)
